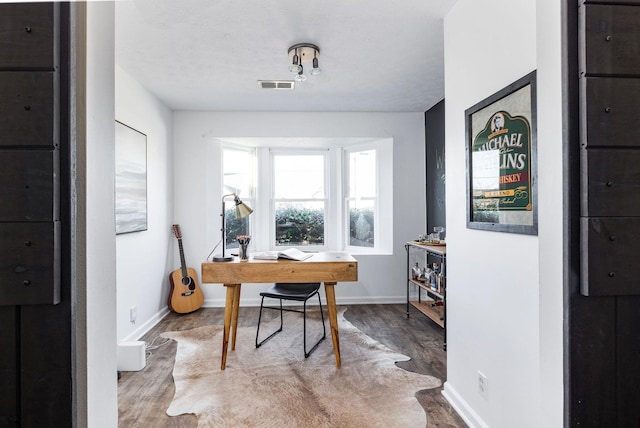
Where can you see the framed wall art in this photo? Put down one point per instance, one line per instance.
(501, 160)
(131, 180)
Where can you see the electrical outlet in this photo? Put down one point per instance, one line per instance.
(133, 314)
(483, 385)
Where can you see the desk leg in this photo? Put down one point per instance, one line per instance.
(333, 318)
(234, 318)
(228, 312)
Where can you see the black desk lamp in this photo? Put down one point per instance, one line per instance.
(242, 210)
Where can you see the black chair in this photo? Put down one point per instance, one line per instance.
(300, 292)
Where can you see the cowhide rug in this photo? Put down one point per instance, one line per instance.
(275, 386)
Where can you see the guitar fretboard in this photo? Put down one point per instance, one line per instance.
(183, 264)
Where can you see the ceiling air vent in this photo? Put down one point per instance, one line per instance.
(276, 84)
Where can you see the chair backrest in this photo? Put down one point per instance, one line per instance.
(299, 287)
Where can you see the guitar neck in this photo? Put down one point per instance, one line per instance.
(183, 264)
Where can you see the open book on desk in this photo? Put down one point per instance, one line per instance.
(290, 253)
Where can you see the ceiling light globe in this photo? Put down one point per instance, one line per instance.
(300, 78)
(295, 68)
(316, 71)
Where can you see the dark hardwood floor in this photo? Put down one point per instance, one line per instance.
(144, 396)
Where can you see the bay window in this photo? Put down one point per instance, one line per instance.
(322, 194)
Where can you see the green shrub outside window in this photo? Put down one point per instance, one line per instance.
(304, 227)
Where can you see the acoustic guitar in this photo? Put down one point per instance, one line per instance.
(185, 296)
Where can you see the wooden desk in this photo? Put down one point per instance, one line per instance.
(328, 267)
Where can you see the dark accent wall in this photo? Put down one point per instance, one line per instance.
(435, 170)
(35, 291)
(602, 291)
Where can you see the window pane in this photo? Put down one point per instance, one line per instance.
(299, 176)
(299, 223)
(235, 226)
(362, 174)
(237, 178)
(238, 172)
(361, 223)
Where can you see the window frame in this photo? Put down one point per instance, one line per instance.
(383, 213)
(249, 200)
(327, 200)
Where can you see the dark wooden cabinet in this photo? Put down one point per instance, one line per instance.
(602, 289)
(609, 52)
(30, 97)
(36, 372)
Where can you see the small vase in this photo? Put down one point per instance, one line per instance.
(243, 247)
(244, 251)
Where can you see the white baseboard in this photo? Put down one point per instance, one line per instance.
(248, 302)
(146, 326)
(468, 415)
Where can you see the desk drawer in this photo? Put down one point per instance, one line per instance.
(28, 109)
(28, 36)
(29, 263)
(609, 256)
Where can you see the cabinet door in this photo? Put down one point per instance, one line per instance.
(610, 106)
(28, 109)
(29, 36)
(610, 40)
(610, 252)
(30, 271)
(611, 183)
(28, 185)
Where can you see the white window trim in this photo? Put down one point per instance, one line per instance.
(251, 199)
(383, 206)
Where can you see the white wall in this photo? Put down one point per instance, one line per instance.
(144, 259)
(197, 187)
(140, 269)
(99, 254)
(504, 291)
(550, 161)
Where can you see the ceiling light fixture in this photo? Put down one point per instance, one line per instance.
(304, 52)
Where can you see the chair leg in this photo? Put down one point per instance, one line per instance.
(259, 344)
(304, 322)
(324, 330)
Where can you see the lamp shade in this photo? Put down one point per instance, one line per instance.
(242, 210)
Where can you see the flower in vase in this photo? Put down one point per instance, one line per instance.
(243, 239)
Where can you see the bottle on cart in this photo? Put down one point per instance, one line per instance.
(425, 275)
(415, 272)
(440, 280)
(433, 280)
(436, 272)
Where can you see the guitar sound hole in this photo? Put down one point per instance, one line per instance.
(187, 281)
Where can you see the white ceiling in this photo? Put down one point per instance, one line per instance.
(376, 55)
